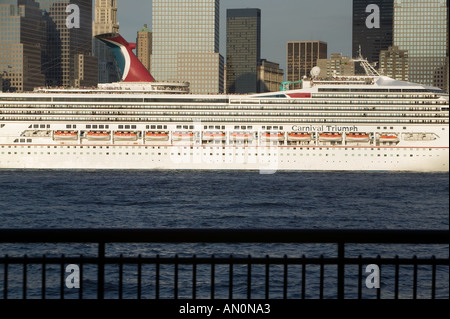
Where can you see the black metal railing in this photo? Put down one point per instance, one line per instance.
(222, 276)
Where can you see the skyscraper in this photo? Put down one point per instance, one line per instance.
(302, 56)
(420, 27)
(65, 44)
(372, 28)
(144, 47)
(22, 39)
(105, 13)
(186, 44)
(243, 50)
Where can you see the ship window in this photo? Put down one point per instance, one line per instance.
(48, 125)
(101, 126)
(94, 126)
(165, 126)
(178, 126)
(191, 127)
(153, 127)
(133, 126)
(68, 126)
(159, 127)
(36, 126)
(185, 127)
(42, 125)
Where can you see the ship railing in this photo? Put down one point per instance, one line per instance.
(111, 264)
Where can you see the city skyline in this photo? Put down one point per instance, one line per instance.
(310, 20)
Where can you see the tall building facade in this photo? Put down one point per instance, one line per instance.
(420, 27)
(144, 47)
(105, 21)
(22, 40)
(372, 28)
(336, 65)
(186, 44)
(64, 44)
(243, 50)
(394, 63)
(302, 56)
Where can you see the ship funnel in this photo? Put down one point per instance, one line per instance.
(132, 69)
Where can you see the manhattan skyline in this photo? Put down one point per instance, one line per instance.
(287, 20)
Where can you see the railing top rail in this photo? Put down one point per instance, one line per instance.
(116, 235)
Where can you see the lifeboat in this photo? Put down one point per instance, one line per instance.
(299, 137)
(386, 138)
(242, 136)
(65, 136)
(183, 136)
(125, 136)
(273, 136)
(330, 137)
(214, 136)
(98, 136)
(357, 137)
(156, 136)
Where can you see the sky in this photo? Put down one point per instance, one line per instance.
(282, 20)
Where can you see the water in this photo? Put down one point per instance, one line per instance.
(223, 199)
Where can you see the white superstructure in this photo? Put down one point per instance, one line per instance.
(369, 123)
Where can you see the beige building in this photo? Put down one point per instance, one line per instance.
(270, 76)
(302, 56)
(105, 14)
(336, 65)
(105, 21)
(22, 39)
(144, 47)
(394, 63)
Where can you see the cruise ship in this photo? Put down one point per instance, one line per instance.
(357, 123)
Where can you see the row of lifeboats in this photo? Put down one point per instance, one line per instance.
(221, 136)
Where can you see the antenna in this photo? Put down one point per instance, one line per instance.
(368, 68)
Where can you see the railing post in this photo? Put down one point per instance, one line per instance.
(101, 271)
(341, 269)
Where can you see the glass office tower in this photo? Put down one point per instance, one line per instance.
(243, 50)
(64, 45)
(186, 44)
(372, 30)
(420, 26)
(22, 39)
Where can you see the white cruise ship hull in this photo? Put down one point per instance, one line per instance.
(272, 159)
(366, 124)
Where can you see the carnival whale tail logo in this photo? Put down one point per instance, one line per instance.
(132, 69)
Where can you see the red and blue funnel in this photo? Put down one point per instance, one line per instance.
(132, 69)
